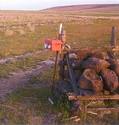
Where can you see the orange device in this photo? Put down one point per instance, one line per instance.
(54, 45)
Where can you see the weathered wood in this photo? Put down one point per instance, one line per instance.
(98, 98)
(93, 98)
(57, 54)
(63, 36)
(115, 109)
(113, 37)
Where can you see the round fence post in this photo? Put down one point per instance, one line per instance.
(113, 37)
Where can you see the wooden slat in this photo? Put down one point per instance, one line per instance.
(116, 109)
(93, 98)
(98, 98)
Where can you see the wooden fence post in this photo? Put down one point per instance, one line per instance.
(113, 37)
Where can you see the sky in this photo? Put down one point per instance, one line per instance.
(42, 4)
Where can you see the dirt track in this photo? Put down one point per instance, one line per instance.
(21, 78)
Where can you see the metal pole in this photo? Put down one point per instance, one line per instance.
(57, 53)
(55, 67)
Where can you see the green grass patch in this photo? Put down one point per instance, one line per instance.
(24, 104)
(96, 34)
(23, 64)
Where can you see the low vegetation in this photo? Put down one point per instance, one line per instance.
(26, 32)
(23, 64)
(28, 105)
(97, 34)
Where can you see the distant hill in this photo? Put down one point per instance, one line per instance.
(88, 8)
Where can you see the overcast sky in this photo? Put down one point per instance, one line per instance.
(41, 4)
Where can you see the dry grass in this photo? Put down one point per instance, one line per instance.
(30, 104)
(26, 31)
(9, 33)
(97, 34)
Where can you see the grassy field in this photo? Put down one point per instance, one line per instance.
(27, 34)
(22, 32)
(86, 32)
(96, 34)
(23, 64)
(27, 105)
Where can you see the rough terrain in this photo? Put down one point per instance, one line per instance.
(20, 78)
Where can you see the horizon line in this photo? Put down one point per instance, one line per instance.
(58, 6)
